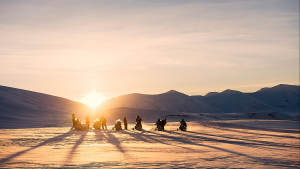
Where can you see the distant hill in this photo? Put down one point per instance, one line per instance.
(22, 109)
(171, 101)
(282, 99)
(230, 101)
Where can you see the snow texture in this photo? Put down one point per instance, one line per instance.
(213, 144)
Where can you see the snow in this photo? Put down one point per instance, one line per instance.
(210, 144)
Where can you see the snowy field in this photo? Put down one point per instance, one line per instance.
(214, 144)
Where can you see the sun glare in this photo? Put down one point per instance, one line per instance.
(93, 100)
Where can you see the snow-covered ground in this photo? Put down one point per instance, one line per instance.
(221, 144)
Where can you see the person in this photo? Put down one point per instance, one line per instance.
(103, 123)
(97, 124)
(158, 125)
(125, 123)
(163, 123)
(76, 122)
(138, 125)
(183, 125)
(118, 125)
(73, 120)
(87, 121)
(78, 125)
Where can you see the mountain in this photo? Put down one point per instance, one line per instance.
(281, 97)
(24, 109)
(171, 101)
(278, 99)
(231, 101)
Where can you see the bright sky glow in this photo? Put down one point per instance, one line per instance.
(69, 48)
(93, 100)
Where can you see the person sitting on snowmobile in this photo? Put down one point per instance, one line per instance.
(138, 125)
(183, 125)
(77, 124)
(97, 124)
(158, 125)
(118, 125)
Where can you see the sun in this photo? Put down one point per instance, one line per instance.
(93, 99)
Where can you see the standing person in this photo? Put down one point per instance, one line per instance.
(125, 123)
(87, 121)
(73, 120)
(103, 123)
(163, 123)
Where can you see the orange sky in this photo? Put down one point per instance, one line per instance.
(70, 48)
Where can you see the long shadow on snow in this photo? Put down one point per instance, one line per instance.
(150, 139)
(257, 142)
(214, 125)
(265, 161)
(214, 140)
(137, 136)
(51, 140)
(114, 141)
(74, 148)
(240, 126)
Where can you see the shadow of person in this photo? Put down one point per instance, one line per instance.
(265, 161)
(248, 127)
(74, 148)
(51, 140)
(240, 141)
(232, 129)
(137, 136)
(114, 141)
(224, 139)
(100, 137)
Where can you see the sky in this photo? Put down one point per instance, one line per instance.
(70, 48)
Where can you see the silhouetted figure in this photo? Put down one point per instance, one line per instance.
(73, 120)
(159, 125)
(87, 121)
(77, 124)
(163, 123)
(125, 123)
(138, 125)
(183, 125)
(97, 124)
(103, 123)
(118, 125)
